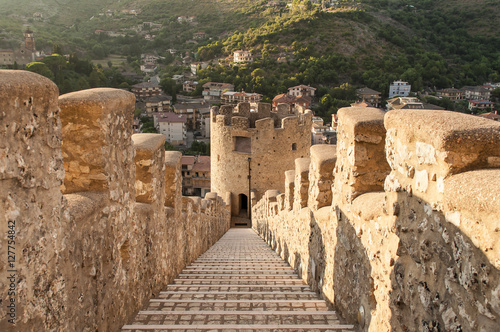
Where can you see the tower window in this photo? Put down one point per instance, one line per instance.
(294, 146)
(242, 144)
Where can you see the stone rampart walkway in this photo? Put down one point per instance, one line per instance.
(239, 284)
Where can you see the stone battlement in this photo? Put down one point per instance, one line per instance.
(99, 219)
(241, 117)
(402, 218)
(251, 150)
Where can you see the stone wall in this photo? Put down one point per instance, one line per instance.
(271, 140)
(90, 258)
(409, 238)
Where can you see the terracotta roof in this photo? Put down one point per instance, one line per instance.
(202, 164)
(188, 160)
(283, 98)
(287, 99)
(491, 116)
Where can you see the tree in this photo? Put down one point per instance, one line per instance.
(495, 94)
(40, 68)
(169, 86)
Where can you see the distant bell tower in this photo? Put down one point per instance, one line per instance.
(29, 40)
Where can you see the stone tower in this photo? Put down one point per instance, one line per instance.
(252, 149)
(29, 40)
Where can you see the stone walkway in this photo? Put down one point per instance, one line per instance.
(239, 284)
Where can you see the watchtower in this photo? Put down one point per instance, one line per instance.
(252, 148)
(29, 40)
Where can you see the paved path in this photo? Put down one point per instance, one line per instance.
(239, 284)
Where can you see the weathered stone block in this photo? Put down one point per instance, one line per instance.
(323, 158)
(150, 167)
(97, 125)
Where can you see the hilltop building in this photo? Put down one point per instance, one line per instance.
(398, 103)
(25, 54)
(212, 91)
(232, 97)
(399, 88)
(302, 90)
(251, 150)
(242, 56)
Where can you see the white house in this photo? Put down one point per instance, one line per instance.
(173, 126)
(399, 88)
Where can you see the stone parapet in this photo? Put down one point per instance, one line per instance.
(90, 259)
(422, 254)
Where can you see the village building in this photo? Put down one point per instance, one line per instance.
(450, 93)
(491, 115)
(409, 103)
(195, 175)
(292, 101)
(212, 91)
(159, 103)
(192, 112)
(189, 86)
(399, 88)
(302, 90)
(194, 67)
(369, 96)
(146, 89)
(173, 126)
(476, 93)
(242, 56)
(232, 97)
(480, 104)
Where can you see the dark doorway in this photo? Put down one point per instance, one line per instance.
(243, 205)
(241, 218)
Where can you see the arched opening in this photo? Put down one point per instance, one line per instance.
(243, 204)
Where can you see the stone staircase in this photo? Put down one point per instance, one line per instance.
(239, 284)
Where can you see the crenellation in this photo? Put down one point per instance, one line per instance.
(98, 117)
(323, 158)
(150, 167)
(361, 163)
(243, 110)
(239, 123)
(301, 185)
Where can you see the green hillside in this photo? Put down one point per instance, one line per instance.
(432, 44)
